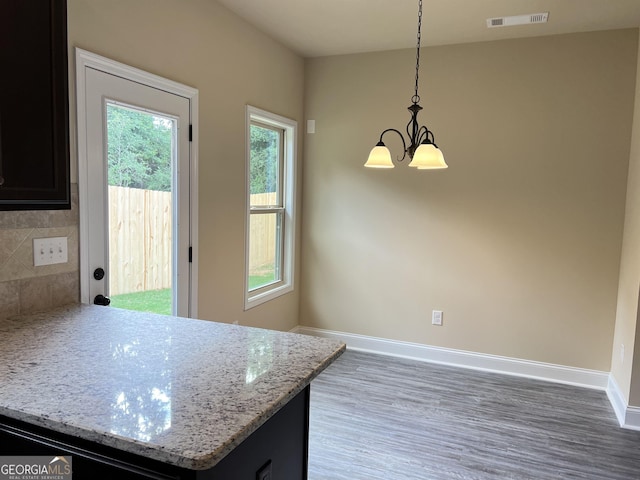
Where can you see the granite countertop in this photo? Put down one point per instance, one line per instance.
(182, 391)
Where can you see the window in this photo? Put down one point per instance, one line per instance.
(270, 230)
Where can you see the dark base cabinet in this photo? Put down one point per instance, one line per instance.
(277, 450)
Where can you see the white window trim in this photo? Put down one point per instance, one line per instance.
(290, 127)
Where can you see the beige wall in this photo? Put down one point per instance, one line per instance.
(518, 241)
(203, 45)
(625, 361)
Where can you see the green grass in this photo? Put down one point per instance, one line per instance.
(155, 301)
(260, 280)
(159, 301)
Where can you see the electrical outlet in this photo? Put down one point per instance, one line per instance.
(47, 251)
(436, 317)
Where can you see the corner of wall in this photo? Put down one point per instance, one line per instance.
(625, 360)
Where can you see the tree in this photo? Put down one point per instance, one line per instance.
(264, 159)
(139, 149)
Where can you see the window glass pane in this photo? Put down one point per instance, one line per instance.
(264, 166)
(265, 249)
(141, 150)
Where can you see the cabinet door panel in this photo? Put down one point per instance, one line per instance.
(34, 122)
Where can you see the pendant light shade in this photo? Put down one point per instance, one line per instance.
(428, 157)
(380, 157)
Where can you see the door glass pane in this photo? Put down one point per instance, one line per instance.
(265, 248)
(141, 152)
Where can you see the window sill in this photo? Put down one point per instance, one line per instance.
(253, 300)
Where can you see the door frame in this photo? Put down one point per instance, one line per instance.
(85, 60)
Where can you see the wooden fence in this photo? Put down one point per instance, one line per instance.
(140, 229)
(262, 253)
(139, 240)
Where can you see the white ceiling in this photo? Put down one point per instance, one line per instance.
(333, 27)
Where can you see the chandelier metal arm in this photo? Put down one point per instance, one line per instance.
(417, 134)
(404, 145)
(426, 135)
(412, 127)
(423, 134)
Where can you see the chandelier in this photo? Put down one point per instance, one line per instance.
(422, 149)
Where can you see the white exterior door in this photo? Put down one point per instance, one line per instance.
(136, 189)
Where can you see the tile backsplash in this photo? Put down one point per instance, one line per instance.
(23, 287)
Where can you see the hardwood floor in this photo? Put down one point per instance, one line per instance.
(384, 418)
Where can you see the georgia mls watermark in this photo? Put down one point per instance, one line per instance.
(41, 467)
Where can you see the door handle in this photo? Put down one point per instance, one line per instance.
(102, 300)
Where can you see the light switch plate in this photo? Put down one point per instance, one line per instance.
(48, 251)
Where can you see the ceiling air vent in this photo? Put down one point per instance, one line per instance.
(517, 20)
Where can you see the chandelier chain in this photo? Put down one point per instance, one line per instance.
(416, 97)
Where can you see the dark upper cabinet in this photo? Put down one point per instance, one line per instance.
(34, 105)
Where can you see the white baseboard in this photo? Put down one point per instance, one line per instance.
(628, 417)
(632, 418)
(617, 400)
(460, 358)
